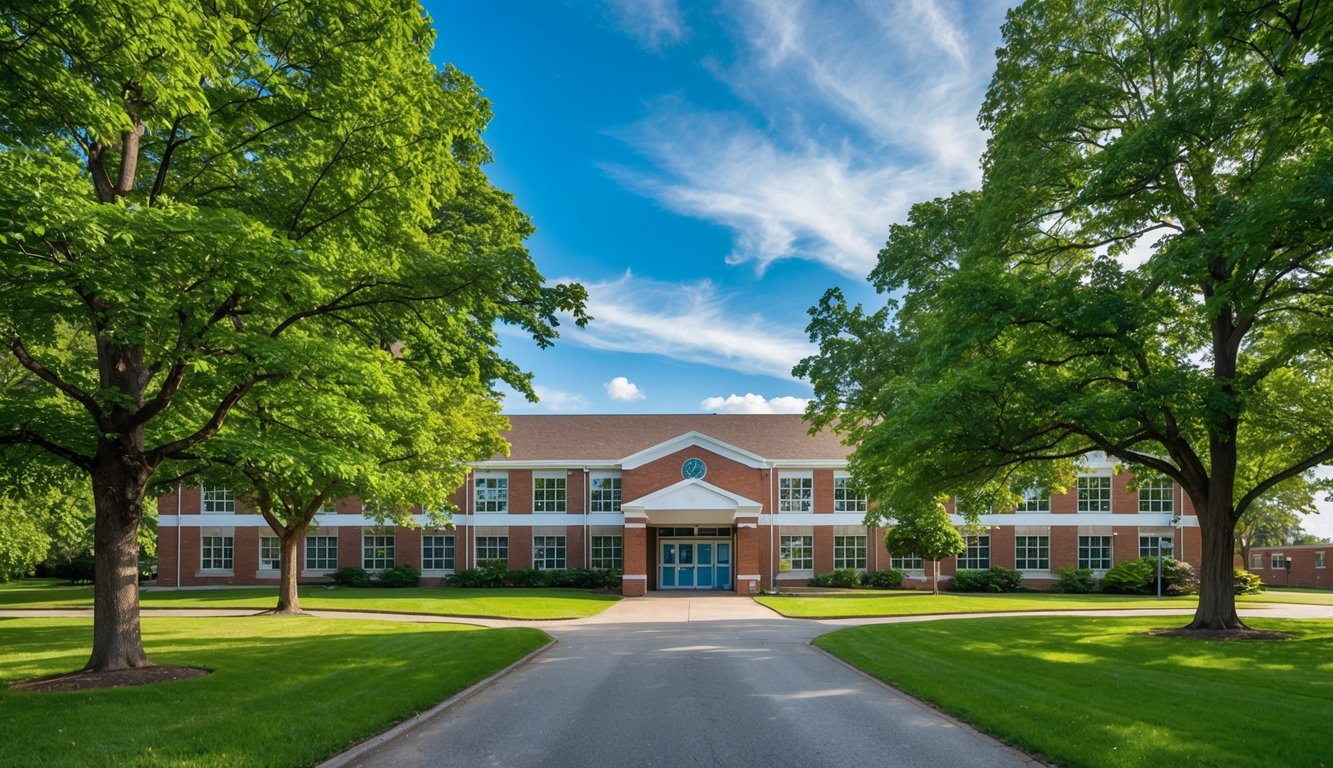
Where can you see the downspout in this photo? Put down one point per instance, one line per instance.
(772, 532)
(587, 508)
(469, 540)
(178, 534)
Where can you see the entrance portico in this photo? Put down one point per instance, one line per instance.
(689, 536)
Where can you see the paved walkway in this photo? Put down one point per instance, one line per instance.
(694, 681)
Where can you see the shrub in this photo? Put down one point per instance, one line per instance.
(1139, 577)
(1246, 583)
(822, 580)
(525, 577)
(843, 578)
(1076, 580)
(400, 576)
(994, 579)
(477, 578)
(350, 576)
(889, 578)
(76, 570)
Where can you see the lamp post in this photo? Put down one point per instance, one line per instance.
(1164, 544)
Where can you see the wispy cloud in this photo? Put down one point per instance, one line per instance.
(549, 399)
(654, 23)
(622, 389)
(752, 403)
(690, 322)
(852, 113)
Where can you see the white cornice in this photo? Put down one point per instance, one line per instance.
(694, 439)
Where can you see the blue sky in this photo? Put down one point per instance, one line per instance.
(709, 170)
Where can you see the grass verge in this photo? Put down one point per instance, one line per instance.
(436, 601)
(1098, 693)
(283, 692)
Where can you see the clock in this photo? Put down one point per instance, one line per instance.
(693, 469)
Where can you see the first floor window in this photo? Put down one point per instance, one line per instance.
(1094, 552)
(607, 551)
(977, 555)
(849, 552)
(492, 548)
(215, 553)
(797, 552)
(1032, 553)
(1256, 562)
(1319, 559)
(1276, 563)
(437, 553)
(377, 551)
(1150, 546)
(270, 553)
(321, 553)
(548, 552)
(909, 561)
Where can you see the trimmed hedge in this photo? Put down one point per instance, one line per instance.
(1076, 580)
(351, 576)
(1139, 577)
(994, 579)
(399, 576)
(495, 574)
(889, 578)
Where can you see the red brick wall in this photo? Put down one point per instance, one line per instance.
(520, 548)
(722, 472)
(520, 500)
(576, 551)
(823, 549)
(407, 547)
(349, 546)
(1064, 502)
(823, 491)
(1303, 570)
(574, 488)
(1064, 547)
(636, 561)
(1123, 500)
(746, 559)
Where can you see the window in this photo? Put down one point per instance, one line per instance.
(1156, 496)
(849, 552)
(437, 552)
(377, 551)
(1275, 563)
(1148, 545)
(607, 551)
(795, 494)
(215, 553)
(1034, 501)
(1094, 552)
(548, 552)
(908, 562)
(605, 493)
(217, 499)
(848, 496)
(1319, 559)
(977, 555)
(492, 548)
(548, 494)
(797, 552)
(491, 493)
(1032, 553)
(1256, 562)
(1094, 494)
(321, 553)
(270, 553)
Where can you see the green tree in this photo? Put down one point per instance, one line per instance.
(930, 535)
(1145, 271)
(223, 199)
(1275, 518)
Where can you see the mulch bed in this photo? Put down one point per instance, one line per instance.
(1222, 634)
(121, 678)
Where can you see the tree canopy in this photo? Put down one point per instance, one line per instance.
(1146, 271)
(203, 203)
(929, 534)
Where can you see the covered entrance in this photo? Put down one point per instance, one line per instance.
(693, 563)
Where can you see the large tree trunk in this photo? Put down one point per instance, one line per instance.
(1217, 598)
(289, 599)
(118, 489)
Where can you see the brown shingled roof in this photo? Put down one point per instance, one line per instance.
(611, 437)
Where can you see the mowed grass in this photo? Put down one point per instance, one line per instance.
(285, 691)
(436, 601)
(1099, 693)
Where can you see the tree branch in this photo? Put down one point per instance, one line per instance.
(99, 414)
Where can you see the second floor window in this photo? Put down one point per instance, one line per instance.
(795, 494)
(548, 494)
(491, 493)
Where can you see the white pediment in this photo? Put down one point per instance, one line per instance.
(691, 496)
(693, 440)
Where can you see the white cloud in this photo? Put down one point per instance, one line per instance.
(855, 112)
(624, 390)
(752, 403)
(689, 322)
(654, 23)
(550, 399)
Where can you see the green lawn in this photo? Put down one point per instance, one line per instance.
(439, 601)
(285, 691)
(1097, 693)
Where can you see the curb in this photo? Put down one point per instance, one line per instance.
(350, 755)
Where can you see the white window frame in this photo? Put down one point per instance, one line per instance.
(976, 557)
(1032, 553)
(1257, 561)
(1094, 493)
(1157, 495)
(796, 492)
(607, 552)
(318, 546)
(1099, 545)
(1034, 500)
(549, 553)
(798, 551)
(217, 500)
(274, 545)
(217, 553)
(438, 552)
(490, 493)
(377, 549)
(851, 551)
(550, 492)
(605, 489)
(848, 496)
(1320, 559)
(1276, 561)
(909, 561)
(487, 548)
(1153, 544)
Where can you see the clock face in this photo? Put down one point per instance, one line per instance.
(693, 469)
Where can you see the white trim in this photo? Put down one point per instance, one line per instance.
(803, 474)
(834, 464)
(813, 518)
(752, 577)
(507, 464)
(636, 525)
(693, 439)
(633, 577)
(665, 499)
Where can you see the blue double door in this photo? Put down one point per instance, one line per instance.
(694, 565)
